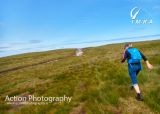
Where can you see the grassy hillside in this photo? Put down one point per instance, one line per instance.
(97, 82)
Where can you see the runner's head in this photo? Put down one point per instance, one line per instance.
(127, 45)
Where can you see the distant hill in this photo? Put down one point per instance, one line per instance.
(97, 82)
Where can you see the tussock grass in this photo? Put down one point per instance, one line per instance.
(97, 81)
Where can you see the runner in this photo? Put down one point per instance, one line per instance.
(134, 56)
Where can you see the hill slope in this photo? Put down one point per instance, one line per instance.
(97, 82)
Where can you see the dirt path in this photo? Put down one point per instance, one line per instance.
(35, 64)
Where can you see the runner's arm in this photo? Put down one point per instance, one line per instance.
(147, 62)
(143, 56)
(125, 56)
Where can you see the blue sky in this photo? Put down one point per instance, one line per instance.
(39, 25)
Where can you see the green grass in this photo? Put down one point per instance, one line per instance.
(97, 82)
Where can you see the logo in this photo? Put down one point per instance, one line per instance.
(136, 15)
(133, 16)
